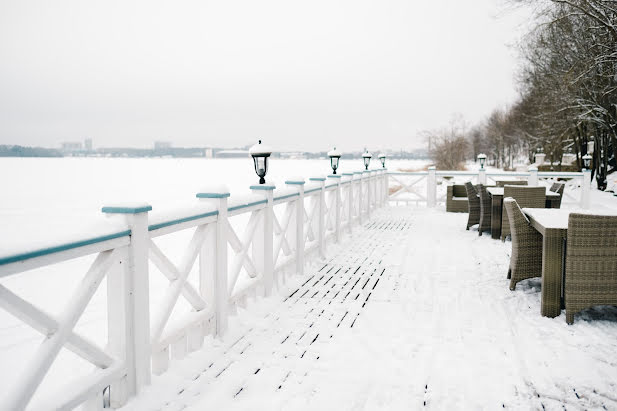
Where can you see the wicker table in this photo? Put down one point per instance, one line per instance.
(553, 225)
(496, 194)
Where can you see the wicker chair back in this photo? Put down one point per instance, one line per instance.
(526, 258)
(531, 197)
(591, 262)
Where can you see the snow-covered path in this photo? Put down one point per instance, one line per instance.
(412, 311)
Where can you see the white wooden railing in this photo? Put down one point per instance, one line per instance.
(429, 187)
(235, 249)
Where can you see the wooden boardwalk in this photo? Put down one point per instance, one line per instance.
(412, 311)
(284, 346)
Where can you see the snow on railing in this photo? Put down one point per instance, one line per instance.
(430, 186)
(147, 321)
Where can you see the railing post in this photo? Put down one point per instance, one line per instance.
(586, 189)
(377, 189)
(299, 225)
(533, 176)
(322, 218)
(482, 176)
(337, 206)
(213, 260)
(267, 256)
(367, 174)
(349, 202)
(359, 195)
(386, 188)
(128, 300)
(431, 187)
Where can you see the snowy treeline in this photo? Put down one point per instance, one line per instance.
(568, 84)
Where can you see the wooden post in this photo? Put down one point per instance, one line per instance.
(386, 188)
(337, 206)
(482, 176)
(431, 187)
(322, 217)
(213, 260)
(366, 175)
(533, 176)
(265, 249)
(299, 231)
(350, 197)
(585, 189)
(128, 301)
(359, 194)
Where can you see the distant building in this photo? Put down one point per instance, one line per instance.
(293, 155)
(232, 154)
(209, 153)
(88, 144)
(71, 146)
(162, 145)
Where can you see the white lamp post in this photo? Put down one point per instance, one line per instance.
(335, 156)
(260, 153)
(366, 157)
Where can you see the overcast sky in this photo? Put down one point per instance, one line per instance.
(301, 75)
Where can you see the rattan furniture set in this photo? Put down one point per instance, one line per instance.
(576, 277)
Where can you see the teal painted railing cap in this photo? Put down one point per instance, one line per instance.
(212, 195)
(263, 187)
(126, 209)
(358, 172)
(317, 179)
(348, 174)
(61, 247)
(296, 182)
(334, 176)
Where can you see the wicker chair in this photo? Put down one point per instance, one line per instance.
(501, 183)
(474, 205)
(456, 199)
(526, 259)
(556, 188)
(532, 197)
(485, 210)
(591, 263)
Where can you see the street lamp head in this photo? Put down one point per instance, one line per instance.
(587, 161)
(335, 156)
(260, 153)
(482, 160)
(366, 157)
(382, 158)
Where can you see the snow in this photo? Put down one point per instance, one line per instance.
(438, 328)
(441, 316)
(215, 189)
(551, 218)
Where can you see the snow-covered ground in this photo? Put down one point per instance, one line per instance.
(413, 311)
(442, 315)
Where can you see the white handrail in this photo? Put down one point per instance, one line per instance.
(424, 186)
(140, 343)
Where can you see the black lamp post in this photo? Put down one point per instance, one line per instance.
(260, 154)
(367, 158)
(382, 158)
(335, 156)
(482, 160)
